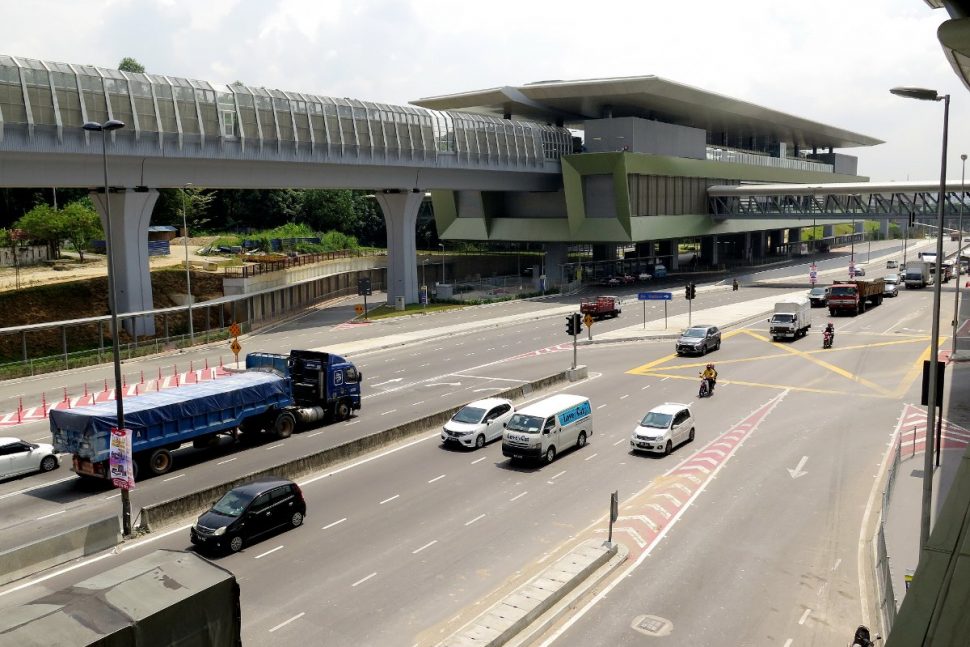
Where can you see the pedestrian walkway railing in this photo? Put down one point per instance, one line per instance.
(887, 594)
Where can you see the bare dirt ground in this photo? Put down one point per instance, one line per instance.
(95, 265)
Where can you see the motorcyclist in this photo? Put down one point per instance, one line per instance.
(710, 374)
(829, 332)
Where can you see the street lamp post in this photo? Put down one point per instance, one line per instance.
(188, 274)
(927, 502)
(956, 292)
(442, 246)
(113, 124)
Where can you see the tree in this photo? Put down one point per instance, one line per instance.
(329, 210)
(80, 225)
(128, 64)
(196, 205)
(43, 222)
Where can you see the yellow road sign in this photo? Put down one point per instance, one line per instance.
(234, 330)
(359, 308)
(588, 320)
(235, 347)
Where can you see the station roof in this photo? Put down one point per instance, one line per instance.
(648, 97)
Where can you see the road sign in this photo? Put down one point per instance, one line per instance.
(588, 320)
(655, 296)
(234, 330)
(851, 270)
(359, 308)
(812, 274)
(235, 347)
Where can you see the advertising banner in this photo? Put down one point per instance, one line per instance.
(120, 467)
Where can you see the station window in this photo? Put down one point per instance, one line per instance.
(229, 124)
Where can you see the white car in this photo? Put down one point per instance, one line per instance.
(20, 457)
(478, 422)
(663, 428)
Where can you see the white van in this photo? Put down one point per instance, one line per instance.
(547, 427)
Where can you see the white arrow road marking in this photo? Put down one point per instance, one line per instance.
(795, 473)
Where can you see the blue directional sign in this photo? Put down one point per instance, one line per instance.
(655, 296)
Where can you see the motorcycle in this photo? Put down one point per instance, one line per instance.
(827, 339)
(863, 638)
(706, 389)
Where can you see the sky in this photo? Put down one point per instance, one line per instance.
(831, 61)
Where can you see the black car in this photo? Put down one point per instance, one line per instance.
(699, 340)
(248, 512)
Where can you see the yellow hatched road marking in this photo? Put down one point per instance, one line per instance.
(767, 386)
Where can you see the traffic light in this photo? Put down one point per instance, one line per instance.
(690, 291)
(574, 324)
(912, 220)
(363, 287)
(687, 292)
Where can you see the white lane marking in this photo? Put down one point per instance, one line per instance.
(390, 499)
(625, 396)
(664, 379)
(172, 478)
(479, 460)
(351, 423)
(53, 514)
(591, 457)
(34, 487)
(600, 407)
(427, 545)
(286, 622)
(837, 562)
(273, 446)
(272, 550)
(364, 579)
(481, 516)
(621, 440)
(645, 388)
(228, 460)
(315, 433)
(437, 478)
(553, 478)
(518, 496)
(788, 642)
(417, 403)
(113, 496)
(334, 523)
(804, 617)
(387, 412)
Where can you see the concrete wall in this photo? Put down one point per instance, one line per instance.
(645, 136)
(157, 515)
(25, 560)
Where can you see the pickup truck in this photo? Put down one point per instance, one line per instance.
(600, 307)
(853, 296)
(274, 392)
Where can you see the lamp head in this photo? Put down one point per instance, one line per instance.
(111, 124)
(922, 94)
(964, 157)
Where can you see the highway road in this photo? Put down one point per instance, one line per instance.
(407, 545)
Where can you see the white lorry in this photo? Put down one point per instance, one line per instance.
(545, 428)
(792, 319)
(917, 275)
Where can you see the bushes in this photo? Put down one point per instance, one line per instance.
(287, 237)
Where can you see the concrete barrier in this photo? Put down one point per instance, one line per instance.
(21, 561)
(156, 515)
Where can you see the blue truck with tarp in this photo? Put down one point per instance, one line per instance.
(275, 393)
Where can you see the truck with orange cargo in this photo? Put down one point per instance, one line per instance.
(600, 307)
(853, 297)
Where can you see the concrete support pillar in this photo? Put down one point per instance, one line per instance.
(668, 255)
(759, 245)
(746, 247)
(131, 211)
(884, 228)
(400, 209)
(556, 255)
(646, 249)
(795, 235)
(709, 254)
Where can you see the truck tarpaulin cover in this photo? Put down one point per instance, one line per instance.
(165, 598)
(158, 407)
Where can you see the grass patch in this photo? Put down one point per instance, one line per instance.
(386, 312)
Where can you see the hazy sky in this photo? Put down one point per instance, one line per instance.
(831, 61)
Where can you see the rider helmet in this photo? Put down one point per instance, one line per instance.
(710, 366)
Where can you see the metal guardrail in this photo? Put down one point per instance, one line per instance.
(265, 267)
(887, 594)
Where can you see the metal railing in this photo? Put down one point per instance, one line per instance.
(887, 594)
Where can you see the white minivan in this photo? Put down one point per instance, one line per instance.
(663, 428)
(547, 427)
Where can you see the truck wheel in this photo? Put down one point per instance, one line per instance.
(160, 462)
(581, 441)
(343, 410)
(285, 425)
(550, 454)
